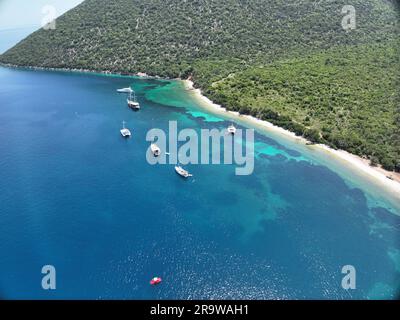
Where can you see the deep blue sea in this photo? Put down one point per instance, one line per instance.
(76, 195)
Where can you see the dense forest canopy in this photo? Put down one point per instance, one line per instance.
(290, 62)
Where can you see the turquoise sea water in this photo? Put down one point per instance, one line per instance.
(75, 195)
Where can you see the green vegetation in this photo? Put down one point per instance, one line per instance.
(355, 112)
(289, 62)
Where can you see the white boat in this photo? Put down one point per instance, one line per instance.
(125, 90)
(126, 133)
(132, 103)
(231, 129)
(155, 149)
(182, 172)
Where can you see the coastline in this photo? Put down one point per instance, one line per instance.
(361, 165)
(140, 75)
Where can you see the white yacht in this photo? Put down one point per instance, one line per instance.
(125, 90)
(132, 103)
(124, 131)
(182, 172)
(232, 129)
(155, 149)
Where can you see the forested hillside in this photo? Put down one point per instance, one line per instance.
(289, 62)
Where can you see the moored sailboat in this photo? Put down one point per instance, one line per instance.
(232, 129)
(132, 102)
(155, 150)
(126, 133)
(182, 172)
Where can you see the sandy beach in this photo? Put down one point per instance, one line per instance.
(377, 175)
(362, 166)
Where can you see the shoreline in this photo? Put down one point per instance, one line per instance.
(363, 166)
(378, 174)
(141, 75)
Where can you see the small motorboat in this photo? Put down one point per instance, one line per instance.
(126, 133)
(182, 172)
(155, 150)
(155, 281)
(125, 90)
(232, 129)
